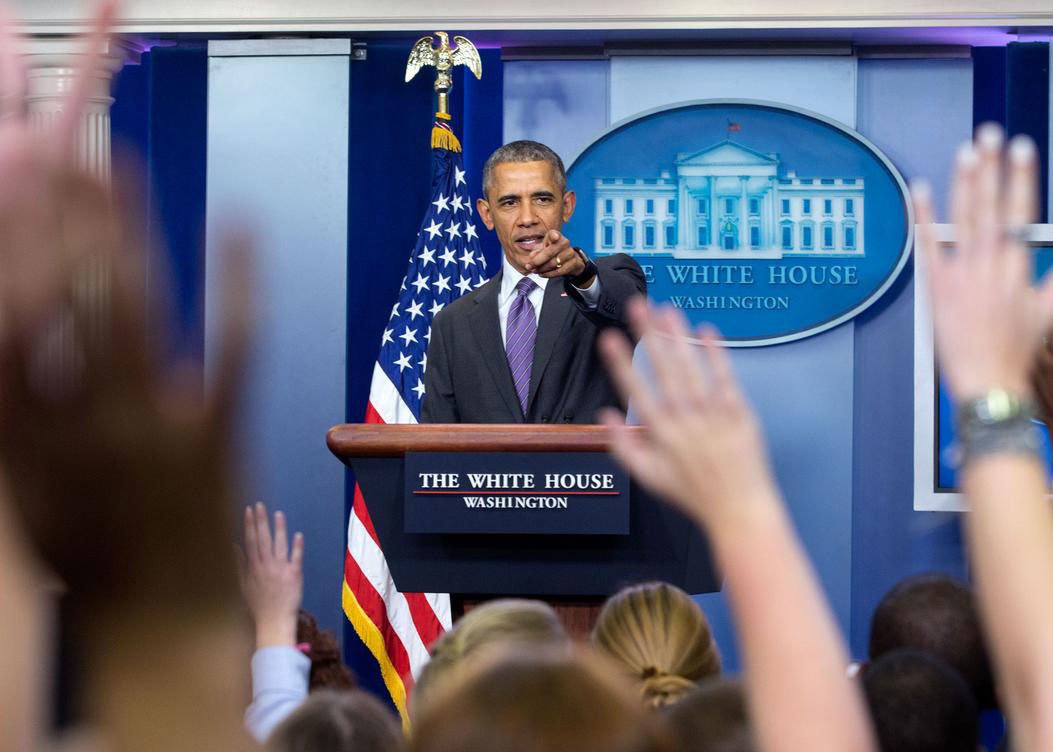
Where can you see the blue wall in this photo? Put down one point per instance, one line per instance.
(853, 501)
(899, 100)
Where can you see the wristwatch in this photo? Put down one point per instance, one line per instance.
(998, 422)
(588, 272)
(996, 406)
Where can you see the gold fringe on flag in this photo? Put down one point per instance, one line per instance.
(443, 138)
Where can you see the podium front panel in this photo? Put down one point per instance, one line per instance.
(663, 545)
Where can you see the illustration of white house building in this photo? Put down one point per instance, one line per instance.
(729, 201)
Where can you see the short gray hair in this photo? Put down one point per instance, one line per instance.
(524, 151)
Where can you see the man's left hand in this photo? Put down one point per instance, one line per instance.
(556, 258)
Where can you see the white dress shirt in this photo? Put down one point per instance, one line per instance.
(510, 278)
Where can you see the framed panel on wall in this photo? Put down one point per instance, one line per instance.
(936, 452)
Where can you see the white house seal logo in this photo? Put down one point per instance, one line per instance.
(769, 222)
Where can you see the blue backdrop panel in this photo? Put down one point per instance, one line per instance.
(899, 103)
(807, 418)
(989, 85)
(1027, 103)
(474, 105)
(543, 96)
(159, 119)
(1011, 87)
(822, 84)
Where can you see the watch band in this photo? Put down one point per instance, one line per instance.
(588, 272)
(999, 422)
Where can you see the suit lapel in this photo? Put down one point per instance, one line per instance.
(555, 310)
(486, 328)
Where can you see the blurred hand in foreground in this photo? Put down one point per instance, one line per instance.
(117, 466)
(118, 471)
(703, 448)
(988, 316)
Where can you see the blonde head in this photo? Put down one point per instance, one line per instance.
(505, 621)
(658, 636)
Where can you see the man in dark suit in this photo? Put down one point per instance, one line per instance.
(521, 348)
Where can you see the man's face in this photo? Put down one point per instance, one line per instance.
(523, 204)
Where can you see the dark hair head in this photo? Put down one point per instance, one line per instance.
(712, 718)
(327, 664)
(919, 704)
(536, 700)
(660, 638)
(935, 614)
(524, 151)
(328, 721)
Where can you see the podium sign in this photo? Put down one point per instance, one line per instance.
(540, 493)
(629, 538)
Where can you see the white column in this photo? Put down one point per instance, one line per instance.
(51, 66)
(711, 232)
(744, 214)
(773, 196)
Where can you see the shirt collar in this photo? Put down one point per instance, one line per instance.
(510, 278)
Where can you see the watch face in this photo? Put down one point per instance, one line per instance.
(997, 405)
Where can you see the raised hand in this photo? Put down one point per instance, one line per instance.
(703, 449)
(272, 577)
(988, 316)
(989, 319)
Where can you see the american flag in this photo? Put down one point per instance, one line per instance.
(445, 263)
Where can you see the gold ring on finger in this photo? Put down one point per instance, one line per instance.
(559, 263)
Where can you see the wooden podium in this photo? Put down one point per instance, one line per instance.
(573, 572)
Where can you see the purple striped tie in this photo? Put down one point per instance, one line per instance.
(519, 339)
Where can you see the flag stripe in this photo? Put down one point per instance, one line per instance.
(373, 604)
(374, 569)
(360, 510)
(428, 625)
(424, 619)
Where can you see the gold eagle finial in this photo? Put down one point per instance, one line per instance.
(444, 58)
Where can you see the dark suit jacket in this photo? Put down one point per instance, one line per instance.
(468, 380)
